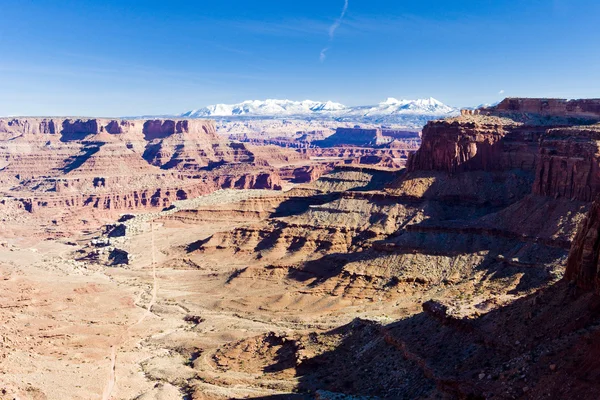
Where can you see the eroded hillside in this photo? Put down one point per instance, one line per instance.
(442, 280)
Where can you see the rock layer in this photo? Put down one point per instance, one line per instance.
(109, 164)
(569, 163)
(583, 265)
(589, 108)
(474, 144)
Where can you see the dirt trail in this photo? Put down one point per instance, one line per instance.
(110, 385)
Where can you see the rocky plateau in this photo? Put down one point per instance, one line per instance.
(159, 259)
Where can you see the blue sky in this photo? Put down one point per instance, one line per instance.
(114, 58)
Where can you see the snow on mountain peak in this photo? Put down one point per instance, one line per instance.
(389, 111)
(266, 108)
(390, 100)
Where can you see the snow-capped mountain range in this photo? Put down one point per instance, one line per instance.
(391, 111)
(267, 108)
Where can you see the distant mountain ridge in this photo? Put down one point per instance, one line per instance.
(266, 108)
(392, 111)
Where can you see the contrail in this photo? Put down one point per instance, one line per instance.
(332, 30)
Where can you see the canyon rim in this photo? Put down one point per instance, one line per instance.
(340, 200)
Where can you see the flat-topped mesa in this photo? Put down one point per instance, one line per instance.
(583, 264)
(581, 108)
(475, 143)
(164, 143)
(158, 129)
(80, 128)
(589, 108)
(14, 127)
(355, 137)
(515, 134)
(569, 163)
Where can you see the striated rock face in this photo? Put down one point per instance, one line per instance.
(310, 173)
(562, 156)
(250, 181)
(10, 128)
(42, 147)
(472, 144)
(275, 155)
(108, 164)
(159, 129)
(569, 164)
(471, 198)
(583, 265)
(588, 108)
(157, 193)
(357, 152)
(179, 152)
(570, 168)
(77, 129)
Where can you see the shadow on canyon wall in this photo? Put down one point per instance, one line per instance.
(543, 345)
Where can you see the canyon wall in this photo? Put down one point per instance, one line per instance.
(110, 164)
(577, 109)
(68, 128)
(563, 158)
(558, 141)
(477, 144)
(583, 265)
(455, 145)
(150, 197)
(569, 164)
(587, 108)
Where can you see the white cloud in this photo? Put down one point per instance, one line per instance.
(501, 92)
(332, 30)
(338, 22)
(323, 54)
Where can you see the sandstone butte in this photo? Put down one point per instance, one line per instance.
(472, 273)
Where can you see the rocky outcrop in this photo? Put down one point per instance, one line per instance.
(468, 202)
(270, 155)
(354, 137)
(586, 108)
(327, 222)
(385, 162)
(250, 181)
(311, 173)
(583, 265)
(160, 129)
(475, 144)
(192, 155)
(151, 197)
(108, 164)
(11, 128)
(357, 152)
(534, 108)
(569, 164)
(565, 158)
(80, 128)
(118, 257)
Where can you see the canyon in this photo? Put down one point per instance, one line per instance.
(161, 259)
(53, 166)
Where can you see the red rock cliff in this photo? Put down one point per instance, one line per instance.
(584, 108)
(569, 164)
(475, 143)
(79, 128)
(583, 264)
